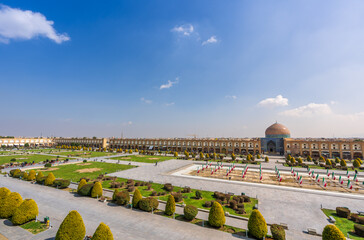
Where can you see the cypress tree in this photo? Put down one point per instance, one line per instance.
(257, 225)
(31, 175)
(39, 177)
(136, 198)
(114, 194)
(103, 232)
(82, 182)
(331, 232)
(216, 215)
(72, 227)
(50, 179)
(96, 190)
(170, 206)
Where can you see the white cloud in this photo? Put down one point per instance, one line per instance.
(211, 40)
(19, 24)
(185, 29)
(169, 84)
(274, 102)
(145, 100)
(170, 104)
(309, 110)
(231, 97)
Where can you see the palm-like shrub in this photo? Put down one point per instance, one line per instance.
(103, 232)
(26, 212)
(331, 232)
(136, 198)
(72, 227)
(216, 215)
(256, 225)
(50, 179)
(9, 204)
(170, 206)
(96, 190)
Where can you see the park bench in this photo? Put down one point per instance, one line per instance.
(311, 231)
(102, 199)
(332, 219)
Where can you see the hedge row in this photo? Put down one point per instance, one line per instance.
(48, 180)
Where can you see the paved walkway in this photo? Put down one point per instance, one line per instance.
(124, 223)
(299, 210)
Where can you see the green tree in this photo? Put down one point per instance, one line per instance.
(343, 163)
(136, 198)
(216, 215)
(114, 194)
(39, 177)
(96, 190)
(328, 162)
(9, 204)
(309, 159)
(266, 159)
(50, 179)
(25, 176)
(202, 156)
(293, 160)
(256, 225)
(331, 232)
(103, 232)
(72, 227)
(170, 206)
(4, 192)
(32, 175)
(81, 183)
(356, 163)
(26, 212)
(175, 154)
(190, 212)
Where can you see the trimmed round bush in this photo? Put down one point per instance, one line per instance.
(278, 232)
(4, 192)
(16, 173)
(26, 212)
(216, 215)
(331, 232)
(343, 212)
(356, 163)
(256, 225)
(178, 197)
(359, 230)
(170, 206)
(81, 184)
(114, 194)
(136, 198)
(96, 190)
(198, 195)
(149, 203)
(86, 189)
(266, 159)
(50, 179)
(61, 183)
(72, 227)
(48, 165)
(9, 204)
(103, 232)
(190, 212)
(122, 198)
(40, 178)
(343, 163)
(168, 187)
(31, 175)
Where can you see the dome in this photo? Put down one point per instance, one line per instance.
(277, 130)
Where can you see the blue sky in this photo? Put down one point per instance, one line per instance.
(229, 69)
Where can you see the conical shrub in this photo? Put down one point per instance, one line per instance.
(114, 194)
(331, 232)
(256, 225)
(82, 182)
(170, 206)
(40, 177)
(49, 180)
(72, 227)
(26, 212)
(103, 232)
(136, 198)
(96, 190)
(25, 176)
(31, 175)
(216, 215)
(9, 204)
(4, 192)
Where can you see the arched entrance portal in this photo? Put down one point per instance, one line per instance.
(271, 146)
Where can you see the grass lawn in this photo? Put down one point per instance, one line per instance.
(88, 154)
(27, 158)
(143, 158)
(189, 197)
(345, 225)
(34, 227)
(76, 171)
